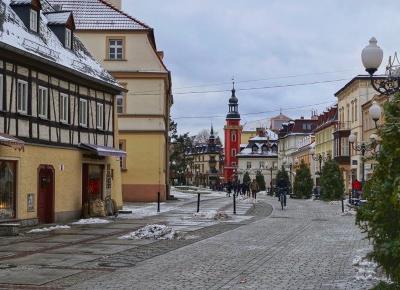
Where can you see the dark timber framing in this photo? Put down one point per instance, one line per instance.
(30, 127)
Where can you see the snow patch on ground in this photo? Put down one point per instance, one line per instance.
(248, 200)
(349, 212)
(213, 214)
(156, 232)
(91, 221)
(366, 270)
(49, 229)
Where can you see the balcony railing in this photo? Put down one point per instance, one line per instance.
(343, 126)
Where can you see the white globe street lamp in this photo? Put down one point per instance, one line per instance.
(375, 111)
(372, 56)
(352, 138)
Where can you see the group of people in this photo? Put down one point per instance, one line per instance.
(237, 188)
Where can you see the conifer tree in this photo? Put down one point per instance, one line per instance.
(246, 178)
(303, 183)
(380, 216)
(260, 180)
(332, 185)
(282, 179)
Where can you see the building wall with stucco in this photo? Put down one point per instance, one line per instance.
(67, 164)
(143, 124)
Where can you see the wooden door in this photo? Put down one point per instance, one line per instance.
(46, 195)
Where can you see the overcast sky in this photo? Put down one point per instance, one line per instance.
(206, 42)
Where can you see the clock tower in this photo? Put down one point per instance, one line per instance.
(233, 132)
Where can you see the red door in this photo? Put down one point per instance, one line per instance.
(46, 195)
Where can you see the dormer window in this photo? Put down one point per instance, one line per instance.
(63, 25)
(254, 149)
(68, 38)
(34, 20)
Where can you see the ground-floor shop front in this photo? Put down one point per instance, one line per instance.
(51, 184)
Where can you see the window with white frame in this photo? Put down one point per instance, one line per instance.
(120, 104)
(68, 38)
(42, 102)
(1, 92)
(115, 49)
(22, 97)
(83, 112)
(34, 20)
(262, 164)
(64, 108)
(248, 165)
(99, 116)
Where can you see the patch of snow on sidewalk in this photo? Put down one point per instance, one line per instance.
(213, 214)
(349, 212)
(157, 232)
(91, 221)
(366, 270)
(147, 209)
(49, 229)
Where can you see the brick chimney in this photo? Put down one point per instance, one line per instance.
(260, 132)
(116, 3)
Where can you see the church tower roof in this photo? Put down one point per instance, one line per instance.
(233, 105)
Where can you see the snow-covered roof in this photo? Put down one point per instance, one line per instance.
(59, 17)
(269, 135)
(99, 15)
(47, 47)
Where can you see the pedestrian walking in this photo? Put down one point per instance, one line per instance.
(254, 188)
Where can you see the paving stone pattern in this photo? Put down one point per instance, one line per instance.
(307, 246)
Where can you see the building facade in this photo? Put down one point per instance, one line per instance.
(290, 136)
(127, 49)
(205, 163)
(57, 119)
(369, 128)
(260, 155)
(324, 139)
(350, 100)
(233, 131)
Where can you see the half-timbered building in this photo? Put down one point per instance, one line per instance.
(57, 117)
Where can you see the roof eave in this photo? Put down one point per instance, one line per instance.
(19, 51)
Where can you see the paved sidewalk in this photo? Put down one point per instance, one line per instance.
(310, 245)
(63, 258)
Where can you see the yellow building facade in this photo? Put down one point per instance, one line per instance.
(127, 49)
(350, 100)
(58, 125)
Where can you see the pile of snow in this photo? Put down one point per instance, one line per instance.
(156, 232)
(91, 221)
(366, 270)
(213, 214)
(349, 212)
(249, 200)
(49, 229)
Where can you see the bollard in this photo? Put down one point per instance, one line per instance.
(158, 201)
(234, 204)
(342, 204)
(198, 202)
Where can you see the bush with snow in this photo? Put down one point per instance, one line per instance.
(156, 232)
(49, 229)
(91, 221)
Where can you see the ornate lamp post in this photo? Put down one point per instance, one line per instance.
(372, 56)
(363, 147)
(319, 158)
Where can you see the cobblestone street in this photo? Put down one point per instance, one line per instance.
(310, 245)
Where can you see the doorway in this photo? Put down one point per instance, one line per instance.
(46, 194)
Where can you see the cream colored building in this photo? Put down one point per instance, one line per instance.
(127, 49)
(260, 155)
(350, 100)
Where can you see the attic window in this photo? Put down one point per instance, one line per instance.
(34, 20)
(68, 38)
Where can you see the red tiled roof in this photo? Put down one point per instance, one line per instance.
(99, 15)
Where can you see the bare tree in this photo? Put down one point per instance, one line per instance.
(203, 136)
